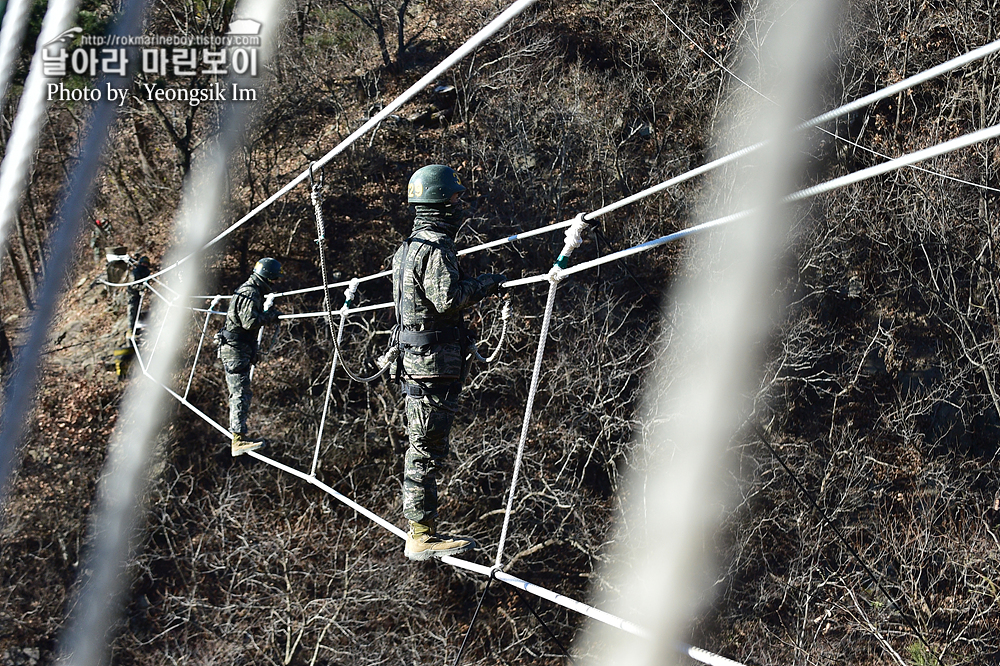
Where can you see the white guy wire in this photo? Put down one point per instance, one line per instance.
(21, 385)
(833, 184)
(698, 654)
(20, 151)
(122, 487)
(472, 44)
(836, 136)
(15, 18)
(674, 500)
(197, 352)
(921, 77)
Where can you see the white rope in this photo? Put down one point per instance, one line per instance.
(135, 324)
(510, 239)
(528, 407)
(472, 44)
(833, 184)
(921, 77)
(334, 285)
(15, 18)
(268, 301)
(505, 316)
(204, 329)
(20, 150)
(321, 313)
(836, 136)
(706, 657)
(892, 165)
(566, 602)
(352, 289)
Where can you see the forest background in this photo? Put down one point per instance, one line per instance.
(862, 527)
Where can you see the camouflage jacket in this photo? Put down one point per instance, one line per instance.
(246, 312)
(431, 294)
(139, 272)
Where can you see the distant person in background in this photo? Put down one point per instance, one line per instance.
(140, 271)
(238, 347)
(431, 295)
(100, 237)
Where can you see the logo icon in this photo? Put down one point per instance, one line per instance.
(66, 37)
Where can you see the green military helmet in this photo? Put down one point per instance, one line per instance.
(267, 268)
(435, 183)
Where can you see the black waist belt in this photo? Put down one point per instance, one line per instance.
(421, 338)
(417, 391)
(232, 337)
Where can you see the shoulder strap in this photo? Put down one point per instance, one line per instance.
(400, 276)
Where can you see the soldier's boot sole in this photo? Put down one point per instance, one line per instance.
(426, 546)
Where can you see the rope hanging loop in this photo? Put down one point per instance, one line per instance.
(505, 316)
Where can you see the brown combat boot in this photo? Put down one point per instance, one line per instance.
(243, 443)
(423, 543)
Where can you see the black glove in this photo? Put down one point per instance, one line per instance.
(271, 315)
(490, 282)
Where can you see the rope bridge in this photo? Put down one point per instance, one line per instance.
(14, 170)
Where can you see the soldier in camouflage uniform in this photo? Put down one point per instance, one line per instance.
(238, 347)
(139, 272)
(431, 294)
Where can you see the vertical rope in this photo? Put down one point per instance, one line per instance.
(349, 299)
(163, 323)
(546, 320)
(260, 332)
(321, 242)
(574, 237)
(204, 329)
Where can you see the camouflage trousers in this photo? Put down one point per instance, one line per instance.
(133, 308)
(428, 424)
(237, 360)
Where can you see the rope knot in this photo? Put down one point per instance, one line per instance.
(574, 234)
(574, 239)
(352, 289)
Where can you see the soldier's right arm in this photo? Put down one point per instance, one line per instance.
(444, 286)
(248, 310)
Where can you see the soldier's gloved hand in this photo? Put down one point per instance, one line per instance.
(271, 314)
(490, 282)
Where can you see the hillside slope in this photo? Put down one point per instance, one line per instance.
(864, 529)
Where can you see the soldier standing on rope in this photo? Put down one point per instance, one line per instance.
(140, 271)
(431, 294)
(238, 347)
